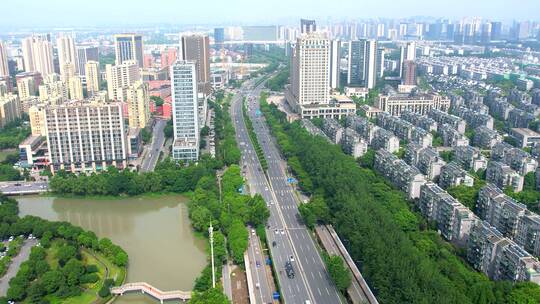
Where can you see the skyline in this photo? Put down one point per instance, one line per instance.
(62, 13)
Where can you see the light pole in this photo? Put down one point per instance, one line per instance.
(211, 233)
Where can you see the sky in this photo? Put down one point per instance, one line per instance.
(70, 13)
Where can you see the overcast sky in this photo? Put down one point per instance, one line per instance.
(61, 13)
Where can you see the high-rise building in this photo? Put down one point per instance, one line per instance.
(53, 90)
(197, 48)
(10, 109)
(37, 120)
(67, 71)
(409, 73)
(120, 77)
(138, 105)
(219, 36)
(85, 54)
(92, 77)
(83, 137)
(307, 26)
(335, 58)
(363, 67)
(38, 55)
(75, 88)
(310, 69)
(4, 68)
(128, 47)
(185, 111)
(66, 54)
(26, 87)
(406, 52)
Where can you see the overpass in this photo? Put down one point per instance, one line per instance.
(150, 290)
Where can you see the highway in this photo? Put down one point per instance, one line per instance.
(22, 187)
(292, 238)
(158, 139)
(259, 274)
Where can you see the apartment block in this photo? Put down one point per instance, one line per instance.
(313, 129)
(421, 104)
(525, 137)
(470, 158)
(406, 178)
(364, 127)
(486, 138)
(444, 118)
(453, 220)
(352, 143)
(83, 137)
(499, 210)
(53, 90)
(503, 176)
(453, 175)
(520, 119)
(452, 137)
(401, 128)
(332, 129)
(474, 118)
(528, 233)
(120, 77)
(419, 120)
(516, 158)
(138, 101)
(10, 109)
(384, 139)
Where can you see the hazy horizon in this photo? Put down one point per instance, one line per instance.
(68, 13)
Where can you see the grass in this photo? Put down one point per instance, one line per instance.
(5, 152)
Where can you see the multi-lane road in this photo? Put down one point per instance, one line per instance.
(158, 139)
(292, 239)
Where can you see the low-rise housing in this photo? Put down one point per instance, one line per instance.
(352, 143)
(419, 120)
(525, 137)
(384, 139)
(470, 158)
(453, 175)
(452, 137)
(332, 129)
(503, 176)
(421, 104)
(406, 178)
(516, 158)
(486, 138)
(444, 118)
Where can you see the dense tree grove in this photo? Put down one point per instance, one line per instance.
(13, 133)
(402, 260)
(339, 273)
(226, 149)
(36, 278)
(278, 82)
(168, 176)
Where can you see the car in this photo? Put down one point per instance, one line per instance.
(274, 244)
(258, 263)
(276, 231)
(258, 285)
(282, 231)
(252, 231)
(291, 258)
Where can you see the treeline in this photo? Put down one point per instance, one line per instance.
(226, 148)
(36, 279)
(278, 82)
(13, 133)
(229, 215)
(168, 176)
(402, 260)
(253, 138)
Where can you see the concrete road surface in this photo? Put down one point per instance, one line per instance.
(15, 265)
(152, 155)
(293, 241)
(259, 274)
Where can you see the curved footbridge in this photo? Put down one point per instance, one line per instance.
(150, 290)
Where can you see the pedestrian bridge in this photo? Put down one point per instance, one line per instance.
(150, 290)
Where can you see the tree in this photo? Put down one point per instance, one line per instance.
(158, 101)
(52, 280)
(238, 240)
(258, 213)
(338, 272)
(210, 296)
(65, 253)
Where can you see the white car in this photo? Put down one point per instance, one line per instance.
(291, 258)
(282, 231)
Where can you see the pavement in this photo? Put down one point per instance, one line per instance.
(259, 273)
(158, 138)
(22, 187)
(15, 265)
(226, 274)
(311, 281)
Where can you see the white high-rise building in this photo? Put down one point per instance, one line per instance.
(38, 55)
(66, 54)
(185, 111)
(335, 58)
(120, 77)
(310, 69)
(92, 77)
(363, 67)
(406, 53)
(4, 68)
(83, 137)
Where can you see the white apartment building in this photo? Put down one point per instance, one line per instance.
(138, 105)
(120, 77)
(185, 111)
(38, 55)
(417, 104)
(10, 109)
(66, 53)
(92, 77)
(4, 68)
(84, 137)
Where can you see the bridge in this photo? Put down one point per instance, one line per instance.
(150, 290)
(23, 188)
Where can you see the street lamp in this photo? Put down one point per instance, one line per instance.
(211, 234)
